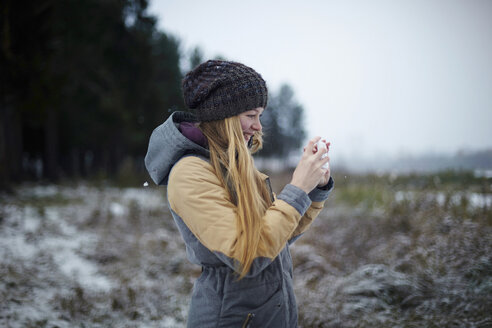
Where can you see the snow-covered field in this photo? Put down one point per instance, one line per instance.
(87, 256)
(93, 257)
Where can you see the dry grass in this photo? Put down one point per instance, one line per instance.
(377, 259)
(387, 251)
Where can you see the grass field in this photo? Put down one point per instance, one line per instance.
(387, 251)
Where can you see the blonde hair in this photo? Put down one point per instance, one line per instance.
(234, 166)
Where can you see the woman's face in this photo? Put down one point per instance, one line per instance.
(250, 122)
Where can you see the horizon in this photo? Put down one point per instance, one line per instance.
(376, 79)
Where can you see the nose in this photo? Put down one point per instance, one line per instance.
(257, 125)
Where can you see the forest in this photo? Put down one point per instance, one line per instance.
(84, 83)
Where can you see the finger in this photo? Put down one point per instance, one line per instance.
(321, 152)
(312, 143)
(325, 175)
(326, 159)
(327, 144)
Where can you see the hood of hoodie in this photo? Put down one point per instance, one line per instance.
(167, 145)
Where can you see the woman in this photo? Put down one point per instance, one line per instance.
(231, 222)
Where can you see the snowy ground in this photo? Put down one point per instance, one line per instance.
(89, 256)
(99, 257)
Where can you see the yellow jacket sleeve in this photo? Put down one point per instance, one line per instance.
(197, 196)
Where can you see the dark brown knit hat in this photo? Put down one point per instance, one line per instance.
(218, 89)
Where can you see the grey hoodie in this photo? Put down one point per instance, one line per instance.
(205, 218)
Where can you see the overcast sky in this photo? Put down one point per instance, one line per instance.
(376, 78)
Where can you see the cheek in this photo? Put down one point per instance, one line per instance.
(244, 124)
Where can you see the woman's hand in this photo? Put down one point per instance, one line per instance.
(309, 172)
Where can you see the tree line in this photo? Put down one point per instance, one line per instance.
(83, 84)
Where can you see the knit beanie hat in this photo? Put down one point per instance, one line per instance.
(218, 89)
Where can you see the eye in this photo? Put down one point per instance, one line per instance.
(251, 116)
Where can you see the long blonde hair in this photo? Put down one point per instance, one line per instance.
(233, 164)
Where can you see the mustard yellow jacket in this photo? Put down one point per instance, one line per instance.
(206, 219)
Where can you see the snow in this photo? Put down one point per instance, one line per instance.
(117, 209)
(100, 257)
(476, 200)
